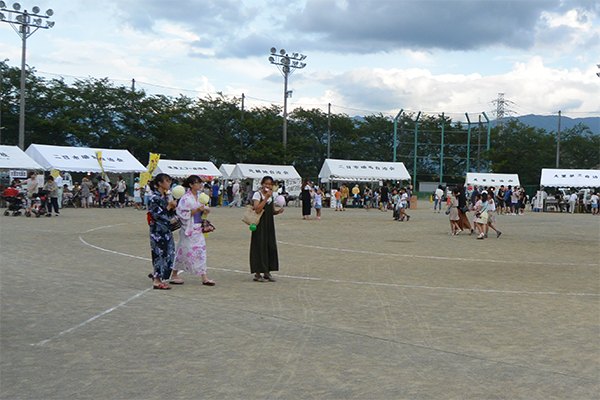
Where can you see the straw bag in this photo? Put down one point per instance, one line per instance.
(252, 217)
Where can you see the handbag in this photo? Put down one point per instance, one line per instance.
(448, 210)
(207, 226)
(465, 209)
(252, 217)
(174, 224)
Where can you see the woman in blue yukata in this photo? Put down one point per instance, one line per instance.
(162, 244)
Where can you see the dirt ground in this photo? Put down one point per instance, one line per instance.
(363, 308)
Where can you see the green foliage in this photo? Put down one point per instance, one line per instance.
(96, 113)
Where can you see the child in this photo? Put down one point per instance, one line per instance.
(319, 202)
(396, 202)
(404, 205)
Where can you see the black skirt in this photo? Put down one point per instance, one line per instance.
(263, 245)
(305, 196)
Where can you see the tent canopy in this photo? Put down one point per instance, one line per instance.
(183, 169)
(83, 159)
(362, 171)
(476, 178)
(226, 170)
(258, 171)
(570, 178)
(12, 157)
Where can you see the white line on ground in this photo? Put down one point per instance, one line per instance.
(368, 283)
(43, 342)
(436, 257)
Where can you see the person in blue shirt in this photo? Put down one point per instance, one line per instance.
(214, 197)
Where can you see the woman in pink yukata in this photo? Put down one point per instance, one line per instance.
(190, 254)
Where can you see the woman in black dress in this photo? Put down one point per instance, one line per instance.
(306, 198)
(263, 245)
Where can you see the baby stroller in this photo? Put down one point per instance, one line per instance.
(15, 204)
(39, 205)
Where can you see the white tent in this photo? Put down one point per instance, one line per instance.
(362, 171)
(183, 169)
(570, 178)
(483, 179)
(286, 173)
(12, 157)
(226, 170)
(83, 159)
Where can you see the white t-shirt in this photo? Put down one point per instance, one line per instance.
(136, 189)
(259, 196)
(594, 199)
(235, 189)
(439, 193)
(573, 197)
(491, 206)
(147, 190)
(404, 198)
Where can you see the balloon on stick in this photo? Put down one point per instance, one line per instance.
(203, 198)
(177, 191)
(280, 201)
(252, 227)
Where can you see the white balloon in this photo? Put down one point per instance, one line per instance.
(178, 191)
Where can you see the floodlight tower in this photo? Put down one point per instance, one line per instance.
(25, 24)
(287, 64)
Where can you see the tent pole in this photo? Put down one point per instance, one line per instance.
(468, 140)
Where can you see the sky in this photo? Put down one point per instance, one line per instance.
(363, 56)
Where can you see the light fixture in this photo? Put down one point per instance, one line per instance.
(273, 50)
(2, 4)
(35, 9)
(2, 17)
(271, 59)
(37, 21)
(49, 12)
(17, 6)
(50, 24)
(282, 51)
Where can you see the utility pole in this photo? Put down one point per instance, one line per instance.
(329, 131)
(241, 137)
(25, 24)
(287, 64)
(558, 142)
(479, 146)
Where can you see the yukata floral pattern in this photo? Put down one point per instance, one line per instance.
(162, 243)
(190, 255)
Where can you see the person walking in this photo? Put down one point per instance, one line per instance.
(345, 194)
(214, 197)
(235, 190)
(162, 244)
(121, 188)
(52, 189)
(355, 196)
(481, 213)
(137, 194)
(437, 199)
(404, 202)
(32, 189)
(306, 198)
(490, 210)
(86, 193)
(572, 202)
(368, 196)
(594, 203)
(338, 200)
(453, 216)
(59, 183)
(463, 222)
(318, 202)
(263, 244)
(385, 197)
(190, 253)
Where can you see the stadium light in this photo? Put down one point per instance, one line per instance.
(287, 64)
(25, 24)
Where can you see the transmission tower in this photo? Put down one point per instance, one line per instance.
(501, 111)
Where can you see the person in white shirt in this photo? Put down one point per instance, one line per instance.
(594, 200)
(59, 183)
(147, 194)
(437, 198)
(236, 194)
(572, 202)
(137, 194)
(404, 205)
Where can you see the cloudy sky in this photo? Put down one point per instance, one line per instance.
(363, 56)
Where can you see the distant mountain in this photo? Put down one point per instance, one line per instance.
(550, 122)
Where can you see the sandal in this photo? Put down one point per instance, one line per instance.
(209, 283)
(162, 286)
(269, 278)
(257, 278)
(177, 282)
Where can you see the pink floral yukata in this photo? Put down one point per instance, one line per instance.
(190, 255)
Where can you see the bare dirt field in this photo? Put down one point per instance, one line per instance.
(363, 308)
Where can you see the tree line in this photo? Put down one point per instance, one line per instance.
(97, 113)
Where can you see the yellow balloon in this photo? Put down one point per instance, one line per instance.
(178, 191)
(206, 234)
